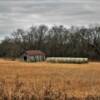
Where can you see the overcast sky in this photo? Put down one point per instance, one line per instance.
(24, 13)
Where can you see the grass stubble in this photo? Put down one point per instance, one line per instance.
(45, 81)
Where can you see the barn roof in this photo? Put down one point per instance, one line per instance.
(34, 52)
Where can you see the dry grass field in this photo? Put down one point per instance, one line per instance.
(79, 80)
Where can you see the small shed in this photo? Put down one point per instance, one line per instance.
(33, 56)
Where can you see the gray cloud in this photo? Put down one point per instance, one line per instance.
(24, 13)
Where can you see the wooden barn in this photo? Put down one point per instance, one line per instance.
(33, 56)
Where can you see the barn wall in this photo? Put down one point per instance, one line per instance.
(36, 58)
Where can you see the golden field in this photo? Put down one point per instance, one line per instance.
(74, 79)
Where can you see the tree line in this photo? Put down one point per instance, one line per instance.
(55, 41)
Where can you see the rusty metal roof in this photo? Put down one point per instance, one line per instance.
(34, 52)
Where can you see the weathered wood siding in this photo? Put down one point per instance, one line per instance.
(36, 58)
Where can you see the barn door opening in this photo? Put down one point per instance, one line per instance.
(25, 58)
